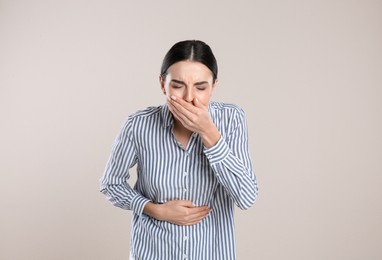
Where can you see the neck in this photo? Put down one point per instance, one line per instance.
(180, 128)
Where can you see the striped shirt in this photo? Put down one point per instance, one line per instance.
(220, 177)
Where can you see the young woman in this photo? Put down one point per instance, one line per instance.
(193, 165)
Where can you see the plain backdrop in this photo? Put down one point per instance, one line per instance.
(307, 73)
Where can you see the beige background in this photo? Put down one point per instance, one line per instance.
(308, 74)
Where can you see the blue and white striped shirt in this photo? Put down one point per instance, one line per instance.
(220, 177)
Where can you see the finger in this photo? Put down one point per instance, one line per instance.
(197, 103)
(174, 108)
(199, 212)
(182, 102)
(187, 111)
(183, 105)
(179, 115)
(193, 222)
(199, 216)
(187, 203)
(195, 218)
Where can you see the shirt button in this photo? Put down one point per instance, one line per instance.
(185, 190)
(185, 173)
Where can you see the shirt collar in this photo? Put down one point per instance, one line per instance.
(166, 116)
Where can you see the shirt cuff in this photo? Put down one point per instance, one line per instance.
(138, 203)
(217, 152)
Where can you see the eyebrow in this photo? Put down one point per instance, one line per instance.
(195, 84)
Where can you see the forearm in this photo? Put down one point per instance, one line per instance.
(239, 182)
(151, 209)
(233, 173)
(210, 137)
(123, 196)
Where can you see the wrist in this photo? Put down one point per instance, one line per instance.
(153, 210)
(211, 137)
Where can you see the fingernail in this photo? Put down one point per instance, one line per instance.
(173, 97)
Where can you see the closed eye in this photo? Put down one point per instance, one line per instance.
(202, 85)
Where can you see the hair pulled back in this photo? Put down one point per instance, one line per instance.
(193, 50)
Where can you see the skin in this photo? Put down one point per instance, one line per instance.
(188, 87)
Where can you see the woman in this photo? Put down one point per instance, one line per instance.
(193, 164)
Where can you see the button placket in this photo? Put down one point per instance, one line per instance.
(186, 181)
(185, 246)
(186, 174)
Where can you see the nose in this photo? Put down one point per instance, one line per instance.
(188, 95)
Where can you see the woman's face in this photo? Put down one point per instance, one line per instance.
(189, 80)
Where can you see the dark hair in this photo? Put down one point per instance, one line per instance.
(193, 50)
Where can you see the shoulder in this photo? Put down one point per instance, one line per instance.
(227, 117)
(146, 112)
(226, 108)
(142, 118)
(146, 115)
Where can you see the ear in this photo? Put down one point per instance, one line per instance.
(214, 85)
(161, 82)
